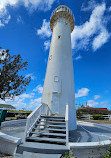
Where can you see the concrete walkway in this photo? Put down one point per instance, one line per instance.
(82, 134)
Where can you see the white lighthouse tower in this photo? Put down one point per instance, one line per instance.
(58, 87)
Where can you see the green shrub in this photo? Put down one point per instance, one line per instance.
(92, 111)
(70, 154)
(98, 117)
(108, 153)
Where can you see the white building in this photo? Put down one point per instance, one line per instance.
(59, 80)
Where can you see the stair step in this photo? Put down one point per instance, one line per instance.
(39, 139)
(38, 155)
(51, 129)
(48, 125)
(49, 134)
(55, 117)
(42, 147)
(54, 122)
(57, 126)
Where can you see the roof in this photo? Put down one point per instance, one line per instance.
(95, 108)
(7, 106)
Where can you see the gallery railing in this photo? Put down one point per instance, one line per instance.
(43, 109)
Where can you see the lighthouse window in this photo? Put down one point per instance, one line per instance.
(56, 79)
(59, 36)
(50, 57)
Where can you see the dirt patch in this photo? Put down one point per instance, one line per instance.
(10, 118)
(5, 156)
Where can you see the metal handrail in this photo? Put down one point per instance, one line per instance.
(34, 116)
(67, 124)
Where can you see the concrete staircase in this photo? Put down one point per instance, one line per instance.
(49, 129)
(47, 139)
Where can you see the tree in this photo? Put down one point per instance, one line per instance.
(12, 83)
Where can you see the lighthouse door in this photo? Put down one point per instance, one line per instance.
(55, 105)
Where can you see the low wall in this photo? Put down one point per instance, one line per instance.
(90, 149)
(5, 123)
(8, 144)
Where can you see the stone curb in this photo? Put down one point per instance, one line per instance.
(92, 144)
(8, 144)
(12, 122)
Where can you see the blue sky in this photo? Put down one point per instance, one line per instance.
(24, 29)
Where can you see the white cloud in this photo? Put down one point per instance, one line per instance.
(35, 102)
(78, 57)
(38, 89)
(19, 19)
(4, 17)
(31, 75)
(44, 31)
(92, 103)
(109, 8)
(104, 103)
(40, 4)
(31, 5)
(101, 39)
(96, 97)
(27, 101)
(25, 95)
(90, 6)
(19, 102)
(93, 32)
(47, 44)
(82, 92)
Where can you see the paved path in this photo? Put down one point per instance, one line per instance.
(89, 134)
(16, 129)
(103, 122)
(82, 134)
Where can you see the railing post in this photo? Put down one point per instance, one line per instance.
(67, 133)
(47, 110)
(109, 117)
(67, 126)
(40, 110)
(33, 117)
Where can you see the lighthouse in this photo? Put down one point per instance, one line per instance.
(58, 90)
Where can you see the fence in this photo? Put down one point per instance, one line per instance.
(90, 117)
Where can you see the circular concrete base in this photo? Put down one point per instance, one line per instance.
(89, 140)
